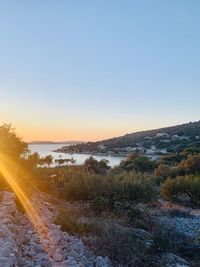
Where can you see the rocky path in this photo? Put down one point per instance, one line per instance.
(179, 230)
(22, 245)
(185, 220)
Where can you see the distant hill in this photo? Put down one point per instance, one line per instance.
(54, 143)
(153, 142)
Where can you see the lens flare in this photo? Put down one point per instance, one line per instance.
(10, 171)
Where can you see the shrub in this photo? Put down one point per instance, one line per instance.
(163, 170)
(167, 238)
(106, 190)
(98, 167)
(191, 164)
(124, 247)
(182, 185)
(138, 163)
(74, 222)
(105, 236)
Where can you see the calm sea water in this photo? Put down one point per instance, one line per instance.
(45, 150)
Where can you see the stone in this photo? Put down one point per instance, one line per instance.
(172, 260)
(7, 262)
(142, 234)
(57, 257)
(102, 262)
(46, 246)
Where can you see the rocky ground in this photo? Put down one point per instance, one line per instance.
(43, 244)
(181, 231)
(24, 246)
(185, 219)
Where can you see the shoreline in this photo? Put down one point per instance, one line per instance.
(93, 153)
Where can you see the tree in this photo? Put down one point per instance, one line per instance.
(48, 160)
(188, 185)
(10, 144)
(73, 161)
(34, 159)
(98, 167)
(138, 163)
(60, 162)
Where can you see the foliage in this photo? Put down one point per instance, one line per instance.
(169, 239)
(107, 236)
(98, 167)
(138, 163)
(164, 171)
(182, 185)
(62, 162)
(107, 190)
(191, 164)
(48, 160)
(11, 144)
(124, 247)
(34, 160)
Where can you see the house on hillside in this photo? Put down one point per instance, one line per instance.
(162, 135)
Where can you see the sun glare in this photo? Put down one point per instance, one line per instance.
(9, 169)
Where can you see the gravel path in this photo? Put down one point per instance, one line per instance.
(24, 246)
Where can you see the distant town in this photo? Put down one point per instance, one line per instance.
(153, 143)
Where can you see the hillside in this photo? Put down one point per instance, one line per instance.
(153, 143)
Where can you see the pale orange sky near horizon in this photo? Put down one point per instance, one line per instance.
(28, 133)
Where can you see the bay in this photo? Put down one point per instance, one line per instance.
(48, 149)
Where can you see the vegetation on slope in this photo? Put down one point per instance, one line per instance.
(110, 208)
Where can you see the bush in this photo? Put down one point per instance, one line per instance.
(164, 170)
(124, 247)
(192, 164)
(98, 167)
(167, 238)
(105, 236)
(138, 163)
(182, 185)
(106, 190)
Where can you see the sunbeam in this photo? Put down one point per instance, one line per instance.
(9, 169)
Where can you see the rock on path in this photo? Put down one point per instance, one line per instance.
(22, 246)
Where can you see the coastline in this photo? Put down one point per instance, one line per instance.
(94, 153)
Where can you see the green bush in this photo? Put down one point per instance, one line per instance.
(182, 185)
(138, 163)
(98, 167)
(106, 190)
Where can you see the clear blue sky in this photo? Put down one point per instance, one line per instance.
(93, 69)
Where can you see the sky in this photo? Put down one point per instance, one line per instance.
(95, 69)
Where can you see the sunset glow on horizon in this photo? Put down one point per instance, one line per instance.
(57, 135)
(96, 69)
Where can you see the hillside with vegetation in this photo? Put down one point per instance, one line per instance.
(141, 213)
(152, 143)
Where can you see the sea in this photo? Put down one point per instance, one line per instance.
(48, 149)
